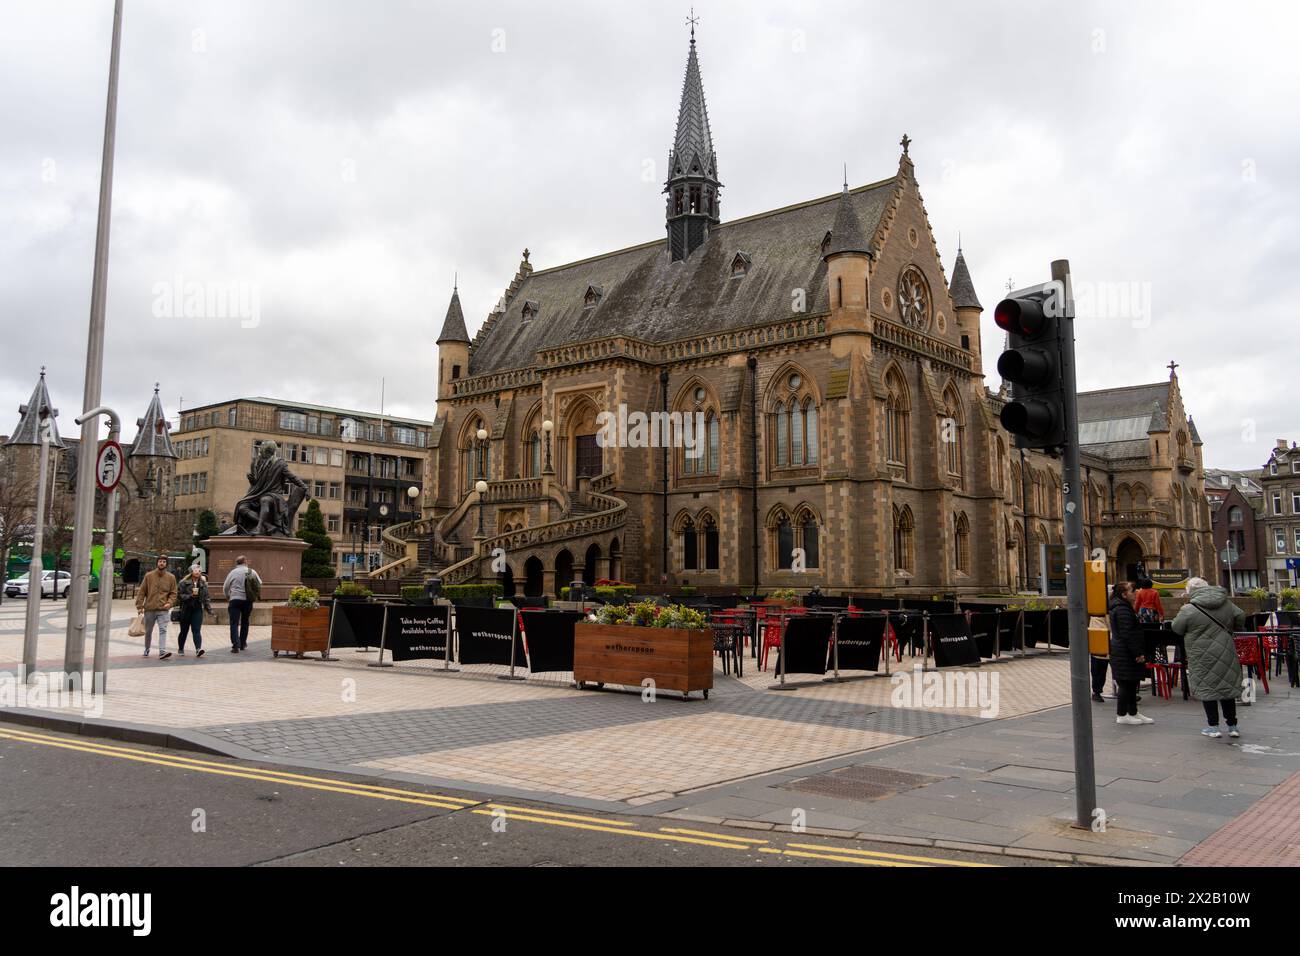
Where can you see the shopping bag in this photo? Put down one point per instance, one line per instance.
(137, 627)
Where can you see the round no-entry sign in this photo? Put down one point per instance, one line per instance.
(109, 466)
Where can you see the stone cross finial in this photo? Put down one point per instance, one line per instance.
(905, 142)
(1172, 366)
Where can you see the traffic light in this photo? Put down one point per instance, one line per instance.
(1036, 412)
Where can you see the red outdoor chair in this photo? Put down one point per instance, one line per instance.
(1251, 654)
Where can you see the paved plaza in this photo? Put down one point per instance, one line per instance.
(835, 757)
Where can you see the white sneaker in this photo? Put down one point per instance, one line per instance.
(1128, 721)
(1233, 732)
(1211, 732)
(1143, 719)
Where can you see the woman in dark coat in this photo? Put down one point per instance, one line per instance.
(1127, 654)
(192, 601)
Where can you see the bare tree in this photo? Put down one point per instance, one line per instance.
(17, 503)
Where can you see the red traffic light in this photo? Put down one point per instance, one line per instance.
(1019, 316)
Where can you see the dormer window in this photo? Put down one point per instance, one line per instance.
(740, 265)
(593, 296)
(529, 310)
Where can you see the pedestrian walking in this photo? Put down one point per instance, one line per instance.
(1207, 623)
(193, 602)
(154, 599)
(1127, 654)
(1147, 603)
(242, 587)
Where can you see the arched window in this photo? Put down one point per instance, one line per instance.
(952, 432)
(690, 546)
(896, 409)
(475, 456)
(903, 531)
(961, 543)
(782, 436)
(784, 542)
(999, 462)
(710, 542)
(809, 539)
(696, 405)
(794, 422)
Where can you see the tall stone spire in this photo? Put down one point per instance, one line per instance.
(692, 186)
(28, 431)
(962, 288)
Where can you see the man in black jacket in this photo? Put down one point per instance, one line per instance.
(1127, 654)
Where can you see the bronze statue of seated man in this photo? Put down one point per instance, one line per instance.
(273, 498)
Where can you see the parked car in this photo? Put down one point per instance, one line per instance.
(17, 587)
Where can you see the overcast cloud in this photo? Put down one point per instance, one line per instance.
(347, 159)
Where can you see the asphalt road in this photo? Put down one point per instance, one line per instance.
(79, 801)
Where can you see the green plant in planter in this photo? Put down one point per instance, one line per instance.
(783, 594)
(687, 590)
(472, 591)
(1290, 599)
(308, 599)
(649, 614)
(1258, 593)
(352, 589)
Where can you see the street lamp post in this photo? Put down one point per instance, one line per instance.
(481, 487)
(35, 569)
(548, 426)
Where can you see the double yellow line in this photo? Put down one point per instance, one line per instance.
(443, 801)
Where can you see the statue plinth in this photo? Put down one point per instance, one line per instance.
(277, 561)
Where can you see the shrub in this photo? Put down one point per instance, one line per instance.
(687, 590)
(318, 560)
(306, 598)
(1290, 599)
(473, 591)
(1258, 593)
(607, 592)
(352, 589)
(412, 592)
(783, 594)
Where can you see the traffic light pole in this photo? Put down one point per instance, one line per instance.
(1085, 776)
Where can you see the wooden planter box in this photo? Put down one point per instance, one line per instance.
(674, 658)
(295, 630)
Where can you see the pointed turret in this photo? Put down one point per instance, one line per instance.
(37, 411)
(692, 186)
(848, 269)
(967, 306)
(453, 326)
(453, 346)
(847, 235)
(153, 439)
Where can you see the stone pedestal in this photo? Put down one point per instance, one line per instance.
(277, 561)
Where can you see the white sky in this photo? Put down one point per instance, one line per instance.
(344, 160)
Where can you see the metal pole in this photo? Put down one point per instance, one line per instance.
(1085, 789)
(74, 649)
(103, 608)
(36, 569)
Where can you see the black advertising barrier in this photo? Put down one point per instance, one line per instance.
(908, 628)
(549, 636)
(829, 602)
(875, 604)
(803, 645)
(1033, 628)
(984, 628)
(1010, 637)
(858, 641)
(487, 635)
(1058, 627)
(358, 624)
(415, 633)
(952, 642)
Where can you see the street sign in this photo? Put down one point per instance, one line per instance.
(109, 466)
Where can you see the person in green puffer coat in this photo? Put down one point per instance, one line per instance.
(1207, 623)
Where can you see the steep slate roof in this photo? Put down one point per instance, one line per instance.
(153, 440)
(693, 144)
(28, 431)
(453, 326)
(1114, 422)
(846, 232)
(961, 288)
(649, 297)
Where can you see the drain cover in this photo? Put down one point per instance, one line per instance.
(861, 783)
